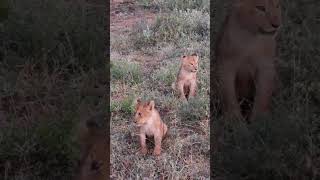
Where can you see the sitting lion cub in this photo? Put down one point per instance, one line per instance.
(245, 56)
(186, 83)
(150, 123)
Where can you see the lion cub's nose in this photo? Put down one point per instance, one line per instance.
(275, 25)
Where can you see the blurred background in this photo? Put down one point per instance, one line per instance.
(51, 69)
(285, 145)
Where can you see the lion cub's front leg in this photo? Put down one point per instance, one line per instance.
(227, 75)
(157, 148)
(180, 85)
(193, 88)
(265, 87)
(144, 149)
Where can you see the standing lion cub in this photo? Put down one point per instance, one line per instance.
(150, 123)
(246, 53)
(186, 82)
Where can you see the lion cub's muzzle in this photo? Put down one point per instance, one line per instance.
(273, 30)
(194, 70)
(138, 123)
(268, 32)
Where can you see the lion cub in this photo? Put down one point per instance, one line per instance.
(245, 56)
(95, 147)
(186, 83)
(150, 123)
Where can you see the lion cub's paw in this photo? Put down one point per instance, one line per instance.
(157, 152)
(144, 151)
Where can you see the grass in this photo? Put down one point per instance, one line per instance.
(178, 26)
(156, 48)
(284, 145)
(167, 5)
(126, 71)
(50, 54)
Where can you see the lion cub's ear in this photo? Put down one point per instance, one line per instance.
(151, 105)
(137, 102)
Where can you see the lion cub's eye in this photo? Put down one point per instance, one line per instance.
(261, 8)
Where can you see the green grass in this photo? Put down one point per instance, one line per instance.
(168, 5)
(177, 26)
(166, 74)
(194, 111)
(126, 71)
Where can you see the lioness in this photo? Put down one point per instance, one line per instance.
(245, 55)
(186, 82)
(150, 123)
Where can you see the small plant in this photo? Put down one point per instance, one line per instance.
(128, 72)
(127, 105)
(142, 36)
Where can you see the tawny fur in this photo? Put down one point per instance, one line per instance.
(94, 162)
(186, 82)
(150, 124)
(246, 53)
